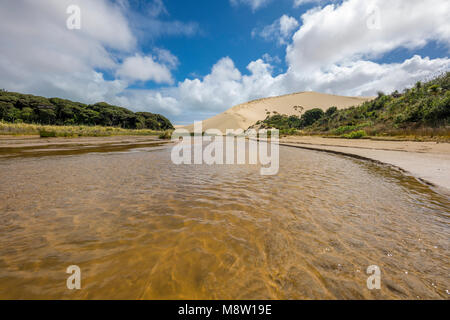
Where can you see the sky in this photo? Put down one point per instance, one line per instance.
(190, 60)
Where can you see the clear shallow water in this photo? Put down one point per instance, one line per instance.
(140, 227)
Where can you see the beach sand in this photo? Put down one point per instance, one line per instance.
(427, 161)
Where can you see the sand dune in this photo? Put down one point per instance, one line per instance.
(247, 114)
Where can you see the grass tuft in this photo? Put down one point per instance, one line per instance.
(355, 135)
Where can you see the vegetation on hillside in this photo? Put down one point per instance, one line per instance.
(25, 108)
(423, 110)
(289, 124)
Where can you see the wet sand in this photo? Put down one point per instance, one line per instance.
(26, 146)
(428, 161)
(36, 141)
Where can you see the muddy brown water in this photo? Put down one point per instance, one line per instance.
(140, 227)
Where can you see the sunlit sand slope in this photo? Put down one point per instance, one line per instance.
(247, 114)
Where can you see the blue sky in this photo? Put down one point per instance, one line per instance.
(190, 60)
(225, 30)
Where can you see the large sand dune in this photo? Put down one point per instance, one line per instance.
(247, 114)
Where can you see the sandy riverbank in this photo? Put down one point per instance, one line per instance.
(36, 141)
(23, 146)
(428, 161)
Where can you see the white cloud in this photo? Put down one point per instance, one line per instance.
(280, 30)
(365, 78)
(269, 59)
(149, 100)
(42, 40)
(254, 4)
(144, 68)
(41, 56)
(339, 33)
(167, 58)
(287, 25)
(225, 86)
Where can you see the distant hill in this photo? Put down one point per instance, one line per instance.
(247, 114)
(17, 107)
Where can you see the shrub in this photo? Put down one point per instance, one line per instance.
(279, 121)
(331, 111)
(355, 135)
(343, 129)
(294, 122)
(311, 116)
(434, 89)
(285, 132)
(396, 94)
(47, 133)
(166, 135)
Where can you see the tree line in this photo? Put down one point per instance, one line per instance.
(16, 107)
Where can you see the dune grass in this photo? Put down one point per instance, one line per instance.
(410, 134)
(49, 131)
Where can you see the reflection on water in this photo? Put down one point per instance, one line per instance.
(142, 228)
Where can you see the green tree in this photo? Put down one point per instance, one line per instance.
(311, 116)
(294, 122)
(47, 115)
(331, 111)
(27, 114)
